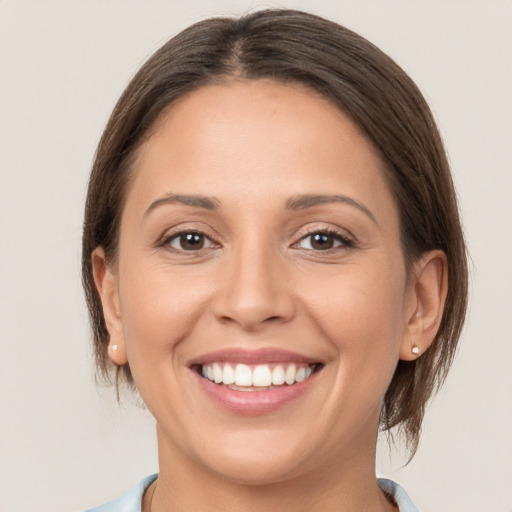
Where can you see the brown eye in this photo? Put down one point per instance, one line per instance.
(323, 241)
(190, 241)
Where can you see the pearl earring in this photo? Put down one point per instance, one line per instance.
(415, 350)
(115, 347)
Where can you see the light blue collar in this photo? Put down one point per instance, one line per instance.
(132, 500)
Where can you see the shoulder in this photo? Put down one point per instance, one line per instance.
(398, 493)
(130, 501)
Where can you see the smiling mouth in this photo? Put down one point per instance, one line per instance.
(260, 377)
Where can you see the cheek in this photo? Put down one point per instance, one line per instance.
(361, 311)
(361, 317)
(159, 309)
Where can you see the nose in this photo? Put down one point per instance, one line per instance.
(254, 290)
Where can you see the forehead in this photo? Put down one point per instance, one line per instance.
(245, 138)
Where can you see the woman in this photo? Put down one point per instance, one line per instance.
(273, 258)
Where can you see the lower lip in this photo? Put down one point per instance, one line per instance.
(254, 403)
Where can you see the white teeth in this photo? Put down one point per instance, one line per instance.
(243, 375)
(289, 376)
(228, 375)
(260, 376)
(301, 375)
(278, 375)
(217, 373)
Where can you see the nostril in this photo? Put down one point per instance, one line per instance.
(250, 320)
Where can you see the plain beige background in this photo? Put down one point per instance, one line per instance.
(64, 443)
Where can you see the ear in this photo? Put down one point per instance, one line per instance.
(106, 283)
(428, 288)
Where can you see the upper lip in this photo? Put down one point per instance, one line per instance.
(256, 356)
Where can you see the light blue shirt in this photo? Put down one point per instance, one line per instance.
(132, 500)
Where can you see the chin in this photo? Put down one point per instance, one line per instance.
(255, 458)
(257, 470)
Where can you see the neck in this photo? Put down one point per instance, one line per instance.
(340, 486)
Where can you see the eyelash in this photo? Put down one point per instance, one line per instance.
(344, 241)
(166, 242)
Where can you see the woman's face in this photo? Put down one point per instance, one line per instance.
(259, 244)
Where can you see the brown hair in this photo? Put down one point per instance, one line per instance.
(293, 46)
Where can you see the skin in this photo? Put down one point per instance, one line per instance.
(258, 283)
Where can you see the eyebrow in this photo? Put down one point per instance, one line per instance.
(197, 201)
(294, 203)
(308, 201)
